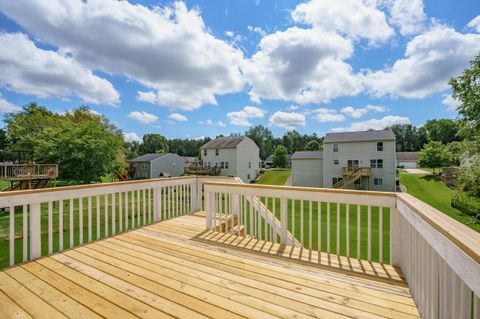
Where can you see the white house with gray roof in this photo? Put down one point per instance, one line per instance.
(156, 165)
(351, 160)
(235, 156)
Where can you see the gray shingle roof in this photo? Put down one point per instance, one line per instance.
(146, 158)
(224, 142)
(383, 135)
(407, 156)
(307, 155)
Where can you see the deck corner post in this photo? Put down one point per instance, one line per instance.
(394, 237)
(208, 210)
(283, 220)
(157, 204)
(35, 231)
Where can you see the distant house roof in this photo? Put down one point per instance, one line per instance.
(270, 158)
(307, 155)
(190, 159)
(407, 156)
(383, 135)
(146, 158)
(225, 142)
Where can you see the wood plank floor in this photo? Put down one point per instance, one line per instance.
(177, 269)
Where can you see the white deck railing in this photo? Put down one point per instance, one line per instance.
(440, 257)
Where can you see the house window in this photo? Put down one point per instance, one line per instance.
(226, 165)
(378, 181)
(379, 163)
(221, 165)
(336, 162)
(335, 147)
(205, 152)
(209, 164)
(248, 176)
(380, 146)
(373, 163)
(336, 180)
(144, 166)
(249, 164)
(216, 152)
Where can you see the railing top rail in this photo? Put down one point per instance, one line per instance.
(104, 185)
(24, 165)
(306, 189)
(462, 236)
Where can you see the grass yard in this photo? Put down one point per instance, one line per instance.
(276, 176)
(433, 191)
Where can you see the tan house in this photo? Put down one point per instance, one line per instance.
(235, 156)
(407, 159)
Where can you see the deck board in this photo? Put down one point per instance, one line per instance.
(177, 269)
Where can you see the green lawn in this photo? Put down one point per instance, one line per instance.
(276, 176)
(433, 191)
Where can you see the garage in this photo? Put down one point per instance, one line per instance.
(407, 159)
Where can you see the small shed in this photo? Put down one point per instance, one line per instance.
(156, 165)
(407, 159)
(307, 169)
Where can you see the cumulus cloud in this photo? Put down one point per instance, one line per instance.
(143, 117)
(132, 137)
(407, 15)
(27, 69)
(7, 107)
(431, 59)
(287, 120)
(257, 30)
(450, 102)
(354, 18)
(302, 65)
(210, 122)
(167, 49)
(359, 112)
(241, 118)
(292, 107)
(374, 124)
(475, 23)
(178, 117)
(323, 115)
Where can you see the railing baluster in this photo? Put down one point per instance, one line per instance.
(105, 212)
(144, 206)
(114, 217)
(319, 239)
(369, 228)
(139, 222)
(252, 233)
(120, 211)
(380, 234)
(89, 218)
(97, 212)
(71, 223)
(347, 227)
(310, 204)
(80, 219)
(132, 202)
(60, 225)
(302, 222)
(50, 228)
(25, 232)
(358, 231)
(338, 229)
(11, 236)
(126, 210)
(265, 219)
(328, 228)
(164, 200)
(293, 222)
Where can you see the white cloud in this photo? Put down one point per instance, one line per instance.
(7, 107)
(286, 120)
(257, 30)
(302, 65)
(407, 15)
(143, 117)
(27, 69)
(292, 107)
(359, 112)
(450, 102)
(241, 118)
(375, 124)
(168, 49)
(431, 59)
(475, 23)
(178, 117)
(324, 115)
(131, 137)
(220, 123)
(210, 122)
(149, 97)
(354, 18)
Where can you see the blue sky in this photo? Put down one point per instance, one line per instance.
(203, 68)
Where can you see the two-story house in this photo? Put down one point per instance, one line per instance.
(364, 160)
(235, 156)
(351, 160)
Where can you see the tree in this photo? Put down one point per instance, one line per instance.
(280, 156)
(153, 143)
(433, 155)
(442, 130)
(466, 89)
(468, 177)
(312, 146)
(293, 141)
(3, 139)
(263, 137)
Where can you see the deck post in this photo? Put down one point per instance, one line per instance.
(156, 204)
(283, 220)
(35, 231)
(208, 211)
(394, 237)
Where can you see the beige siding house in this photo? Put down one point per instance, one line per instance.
(235, 155)
(307, 169)
(407, 159)
(350, 160)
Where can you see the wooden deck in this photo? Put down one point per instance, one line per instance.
(177, 269)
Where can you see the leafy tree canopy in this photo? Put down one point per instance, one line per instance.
(433, 155)
(313, 146)
(153, 143)
(280, 156)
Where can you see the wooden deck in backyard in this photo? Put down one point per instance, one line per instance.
(175, 268)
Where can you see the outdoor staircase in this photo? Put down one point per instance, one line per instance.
(27, 184)
(351, 175)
